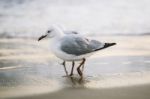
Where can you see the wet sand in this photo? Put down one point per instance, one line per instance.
(28, 70)
(134, 92)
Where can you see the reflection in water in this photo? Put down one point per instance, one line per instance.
(77, 81)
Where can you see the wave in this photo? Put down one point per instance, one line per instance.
(30, 18)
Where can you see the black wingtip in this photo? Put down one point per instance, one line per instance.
(106, 45)
(109, 44)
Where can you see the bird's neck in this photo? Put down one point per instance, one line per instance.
(59, 34)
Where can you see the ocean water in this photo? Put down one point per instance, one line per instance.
(31, 18)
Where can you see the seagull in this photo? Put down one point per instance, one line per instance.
(72, 47)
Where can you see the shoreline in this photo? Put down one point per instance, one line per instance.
(47, 87)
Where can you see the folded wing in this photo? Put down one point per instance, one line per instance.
(78, 46)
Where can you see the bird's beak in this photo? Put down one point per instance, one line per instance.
(43, 36)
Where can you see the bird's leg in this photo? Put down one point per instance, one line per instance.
(83, 67)
(73, 63)
(78, 69)
(64, 64)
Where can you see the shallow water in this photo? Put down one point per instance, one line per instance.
(28, 66)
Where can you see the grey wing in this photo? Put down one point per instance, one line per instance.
(78, 46)
(94, 44)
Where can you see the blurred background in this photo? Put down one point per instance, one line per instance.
(29, 18)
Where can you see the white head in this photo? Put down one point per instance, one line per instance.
(53, 31)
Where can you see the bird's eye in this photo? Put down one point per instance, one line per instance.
(48, 31)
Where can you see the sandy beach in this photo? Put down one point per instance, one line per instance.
(28, 70)
(134, 92)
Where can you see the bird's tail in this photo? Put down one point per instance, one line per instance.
(105, 46)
